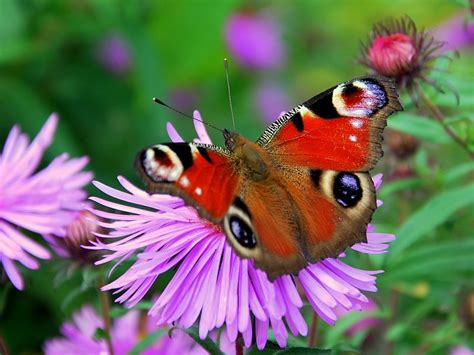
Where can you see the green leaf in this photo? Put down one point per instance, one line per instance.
(420, 127)
(399, 185)
(434, 213)
(147, 341)
(400, 328)
(265, 351)
(207, 343)
(303, 351)
(336, 333)
(458, 172)
(117, 311)
(100, 334)
(444, 257)
(422, 166)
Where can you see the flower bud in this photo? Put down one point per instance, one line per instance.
(402, 145)
(396, 49)
(81, 231)
(392, 55)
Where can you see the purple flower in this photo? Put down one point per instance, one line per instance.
(456, 33)
(460, 350)
(254, 40)
(184, 97)
(114, 54)
(271, 100)
(127, 331)
(212, 286)
(42, 202)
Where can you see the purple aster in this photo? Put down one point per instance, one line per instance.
(114, 54)
(42, 201)
(213, 286)
(456, 33)
(271, 101)
(254, 40)
(127, 331)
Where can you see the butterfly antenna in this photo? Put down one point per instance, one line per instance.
(158, 101)
(226, 69)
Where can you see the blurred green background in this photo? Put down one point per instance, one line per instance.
(54, 58)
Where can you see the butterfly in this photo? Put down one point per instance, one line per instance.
(301, 192)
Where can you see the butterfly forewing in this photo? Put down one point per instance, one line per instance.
(339, 129)
(203, 175)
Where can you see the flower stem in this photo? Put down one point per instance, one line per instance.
(313, 330)
(239, 349)
(104, 303)
(438, 115)
(142, 324)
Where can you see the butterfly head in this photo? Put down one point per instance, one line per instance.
(231, 139)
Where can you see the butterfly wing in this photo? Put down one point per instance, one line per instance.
(299, 217)
(339, 129)
(260, 225)
(203, 175)
(333, 209)
(319, 198)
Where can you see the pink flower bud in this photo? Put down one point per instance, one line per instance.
(392, 55)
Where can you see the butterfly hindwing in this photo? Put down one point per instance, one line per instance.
(300, 216)
(333, 208)
(339, 129)
(203, 175)
(260, 225)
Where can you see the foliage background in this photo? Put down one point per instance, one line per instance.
(49, 62)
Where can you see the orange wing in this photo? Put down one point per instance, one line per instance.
(339, 129)
(203, 175)
(299, 216)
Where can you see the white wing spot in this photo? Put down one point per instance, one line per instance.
(184, 181)
(198, 191)
(357, 123)
(353, 138)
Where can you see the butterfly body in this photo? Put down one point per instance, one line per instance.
(301, 192)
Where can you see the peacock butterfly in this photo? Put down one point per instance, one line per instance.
(301, 192)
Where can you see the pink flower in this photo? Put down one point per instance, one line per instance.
(396, 49)
(212, 286)
(254, 40)
(42, 202)
(392, 55)
(79, 336)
